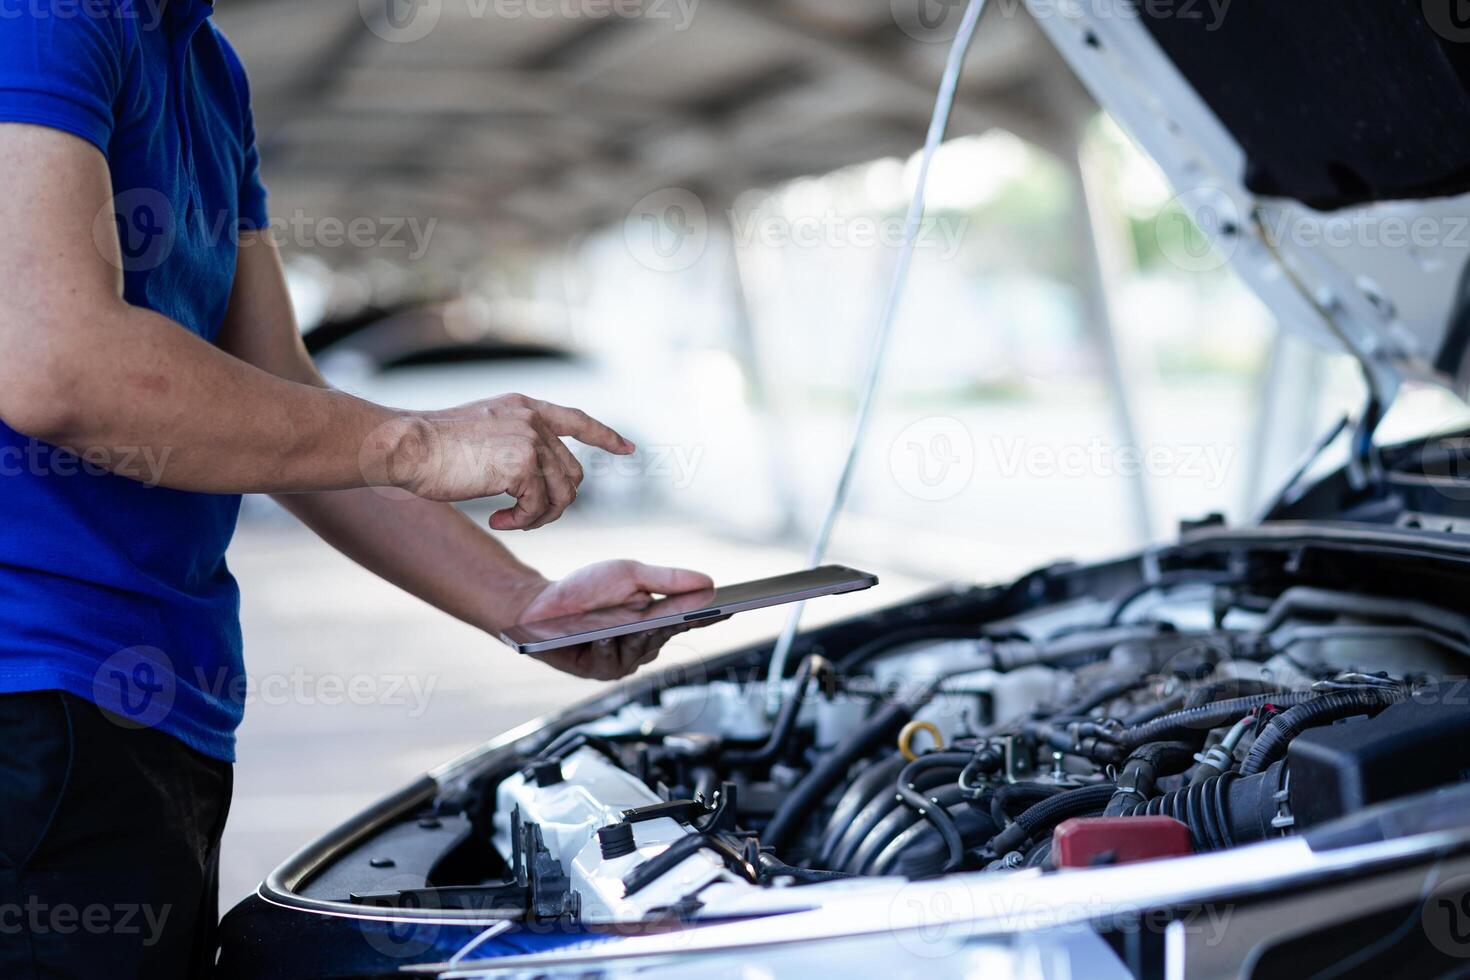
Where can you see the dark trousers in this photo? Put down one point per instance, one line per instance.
(109, 845)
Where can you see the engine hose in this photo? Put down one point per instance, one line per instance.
(1272, 743)
(1102, 694)
(898, 822)
(1007, 795)
(1140, 775)
(780, 737)
(1158, 709)
(935, 814)
(1225, 811)
(880, 810)
(877, 778)
(1042, 818)
(919, 851)
(813, 788)
(1189, 724)
(1236, 688)
(773, 867)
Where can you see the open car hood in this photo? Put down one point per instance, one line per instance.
(1320, 145)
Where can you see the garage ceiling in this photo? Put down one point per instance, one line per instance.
(529, 121)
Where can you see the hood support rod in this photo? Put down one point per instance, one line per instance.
(938, 125)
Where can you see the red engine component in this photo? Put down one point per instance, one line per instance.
(1086, 842)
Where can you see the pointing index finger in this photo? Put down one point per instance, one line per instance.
(584, 428)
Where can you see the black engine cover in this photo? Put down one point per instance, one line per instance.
(1416, 745)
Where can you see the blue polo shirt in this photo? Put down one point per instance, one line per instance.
(111, 588)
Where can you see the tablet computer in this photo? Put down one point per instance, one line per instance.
(685, 609)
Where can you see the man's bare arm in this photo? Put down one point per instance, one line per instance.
(428, 548)
(83, 369)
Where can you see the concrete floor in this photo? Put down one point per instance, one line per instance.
(359, 688)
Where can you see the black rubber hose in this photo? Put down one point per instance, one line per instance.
(935, 814)
(1272, 743)
(780, 731)
(1138, 781)
(874, 780)
(1018, 797)
(920, 850)
(881, 808)
(774, 867)
(668, 859)
(1042, 818)
(1158, 709)
(1225, 811)
(806, 795)
(1193, 724)
(897, 822)
(1101, 695)
(1164, 583)
(1240, 687)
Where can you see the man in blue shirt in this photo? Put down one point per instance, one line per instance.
(150, 372)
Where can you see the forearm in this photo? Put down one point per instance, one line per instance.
(138, 387)
(431, 550)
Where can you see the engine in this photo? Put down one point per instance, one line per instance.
(1183, 716)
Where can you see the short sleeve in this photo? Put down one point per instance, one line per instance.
(64, 72)
(253, 197)
(253, 213)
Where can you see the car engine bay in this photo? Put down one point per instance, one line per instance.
(1209, 705)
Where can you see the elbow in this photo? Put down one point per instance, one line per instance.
(41, 413)
(38, 399)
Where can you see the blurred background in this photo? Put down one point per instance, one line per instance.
(682, 217)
